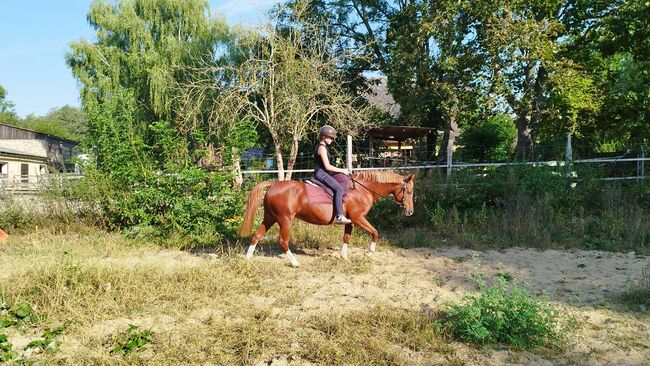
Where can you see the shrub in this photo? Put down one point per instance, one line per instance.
(192, 202)
(504, 313)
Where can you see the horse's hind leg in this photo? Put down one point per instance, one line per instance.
(259, 233)
(285, 231)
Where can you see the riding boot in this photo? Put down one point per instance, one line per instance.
(341, 219)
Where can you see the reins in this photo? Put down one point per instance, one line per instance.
(401, 203)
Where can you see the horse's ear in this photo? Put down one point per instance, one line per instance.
(409, 178)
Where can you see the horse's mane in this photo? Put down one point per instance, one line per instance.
(379, 177)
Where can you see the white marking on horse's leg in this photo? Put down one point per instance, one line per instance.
(373, 246)
(344, 251)
(292, 259)
(249, 253)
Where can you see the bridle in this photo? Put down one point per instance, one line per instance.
(402, 191)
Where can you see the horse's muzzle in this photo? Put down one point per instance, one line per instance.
(408, 211)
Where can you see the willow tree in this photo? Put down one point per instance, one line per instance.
(140, 55)
(286, 85)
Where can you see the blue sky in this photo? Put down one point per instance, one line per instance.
(34, 38)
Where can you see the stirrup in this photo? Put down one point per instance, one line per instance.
(341, 219)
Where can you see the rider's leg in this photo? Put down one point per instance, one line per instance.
(334, 185)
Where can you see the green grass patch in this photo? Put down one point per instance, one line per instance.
(132, 340)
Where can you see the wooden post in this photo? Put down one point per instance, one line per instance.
(449, 161)
(349, 154)
(399, 150)
(569, 149)
(642, 165)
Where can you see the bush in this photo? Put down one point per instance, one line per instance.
(193, 203)
(504, 313)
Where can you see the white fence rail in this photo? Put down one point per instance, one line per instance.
(640, 170)
(10, 184)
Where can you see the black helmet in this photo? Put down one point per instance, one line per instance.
(326, 131)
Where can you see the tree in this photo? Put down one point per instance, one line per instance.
(526, 44)
(286, 86)
(66, 122)
(7, 113)
(433, 65)
(142, 52)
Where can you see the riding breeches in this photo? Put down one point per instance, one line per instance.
(325, 178)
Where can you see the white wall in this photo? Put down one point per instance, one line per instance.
(11, 167)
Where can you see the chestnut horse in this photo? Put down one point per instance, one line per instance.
(286, 200)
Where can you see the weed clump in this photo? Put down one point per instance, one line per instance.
(504, 313)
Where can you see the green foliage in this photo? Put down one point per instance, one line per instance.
(491, 140)
(191, 202)
(7, 352)
(504, 313)
(143, 174)
(132, 340)
(18, 314)
(66, 122)
(7, 113)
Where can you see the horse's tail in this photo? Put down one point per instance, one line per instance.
(254, 202)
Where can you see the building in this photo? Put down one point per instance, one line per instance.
(26, 155)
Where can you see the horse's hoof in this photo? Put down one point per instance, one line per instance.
(345, 257)
(295, 265)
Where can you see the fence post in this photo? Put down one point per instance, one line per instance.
(449, 161)
(640, 166)
(349, 153)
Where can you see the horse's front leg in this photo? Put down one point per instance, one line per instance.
(346, 241)
(363, 223)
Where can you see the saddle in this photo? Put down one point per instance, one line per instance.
(318, 193)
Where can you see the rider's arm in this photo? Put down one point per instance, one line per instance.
(322, 152)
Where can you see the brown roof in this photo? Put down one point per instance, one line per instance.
(398, 133)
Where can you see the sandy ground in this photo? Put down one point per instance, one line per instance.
(585, 283)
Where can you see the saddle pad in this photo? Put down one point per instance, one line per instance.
(318, 193)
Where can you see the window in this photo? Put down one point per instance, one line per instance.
(24, 173)
(4, 168)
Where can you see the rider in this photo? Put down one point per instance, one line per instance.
(324, 169)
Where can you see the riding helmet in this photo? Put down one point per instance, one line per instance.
(327, 131)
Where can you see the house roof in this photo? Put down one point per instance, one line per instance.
(17, 153)
(39, 133)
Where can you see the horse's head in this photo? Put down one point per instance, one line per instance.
(404, 195)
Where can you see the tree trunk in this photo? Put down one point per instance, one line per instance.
(292, 158)
(432, 141)
(238, 180)
(278, 155)
(454, 131)
(524, 148)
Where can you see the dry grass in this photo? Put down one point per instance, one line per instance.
(206, 308)
(220, 305)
